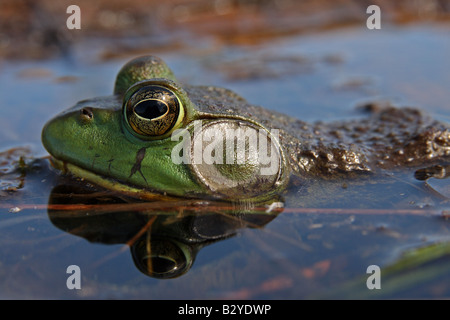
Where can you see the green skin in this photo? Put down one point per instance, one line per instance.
(93, 140)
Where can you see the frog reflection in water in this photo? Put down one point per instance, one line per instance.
(123, 142)
(163, 243)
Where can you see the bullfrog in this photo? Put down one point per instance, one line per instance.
(155, 138)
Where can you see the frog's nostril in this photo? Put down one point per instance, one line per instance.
(86, 113)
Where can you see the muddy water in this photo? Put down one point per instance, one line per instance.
(319, 245)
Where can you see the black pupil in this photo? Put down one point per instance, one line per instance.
(151, 109)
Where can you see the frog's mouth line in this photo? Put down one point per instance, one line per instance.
(68, 168)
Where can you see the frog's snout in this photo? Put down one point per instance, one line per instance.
(45, 134)
(56, 136)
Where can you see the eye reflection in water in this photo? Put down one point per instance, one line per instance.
(164, 237)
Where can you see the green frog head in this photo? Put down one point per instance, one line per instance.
(155, 138)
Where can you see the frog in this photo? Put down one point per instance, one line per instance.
(126, 142)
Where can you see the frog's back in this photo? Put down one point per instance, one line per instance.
(385, 137)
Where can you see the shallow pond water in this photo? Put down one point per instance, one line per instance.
(318, 245)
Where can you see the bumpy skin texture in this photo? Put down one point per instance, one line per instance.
(134, 70)
(384, 138)
(93, 137)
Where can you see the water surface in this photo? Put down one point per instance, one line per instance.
(319, 245)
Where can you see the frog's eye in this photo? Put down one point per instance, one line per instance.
(152, 111)
(163, 258)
